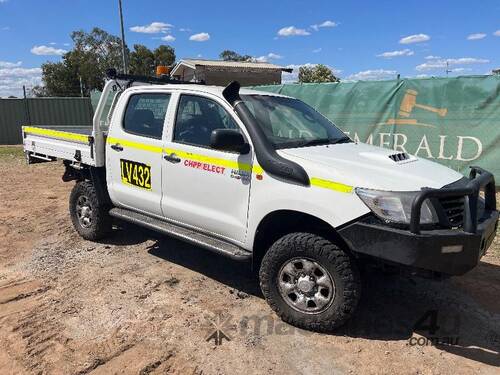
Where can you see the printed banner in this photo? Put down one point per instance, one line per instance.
(453, 121)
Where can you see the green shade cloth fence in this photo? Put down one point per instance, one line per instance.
(453, 121)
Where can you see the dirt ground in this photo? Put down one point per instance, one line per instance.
(138, 303)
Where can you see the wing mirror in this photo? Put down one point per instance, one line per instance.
(229, 140)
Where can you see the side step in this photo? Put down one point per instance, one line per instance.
(203, 240)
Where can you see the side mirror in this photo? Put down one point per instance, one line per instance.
(229, 140)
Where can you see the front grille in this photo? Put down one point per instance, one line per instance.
(453, 209)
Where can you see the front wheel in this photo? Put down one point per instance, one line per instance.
(90, 219)
(309, 282)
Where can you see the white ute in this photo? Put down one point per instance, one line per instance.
(265, 178)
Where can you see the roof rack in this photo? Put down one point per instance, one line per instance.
(131, 78)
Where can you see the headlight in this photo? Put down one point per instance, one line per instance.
(393, 206)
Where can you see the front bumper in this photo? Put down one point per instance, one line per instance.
(448, 251)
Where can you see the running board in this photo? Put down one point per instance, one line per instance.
(203, 240)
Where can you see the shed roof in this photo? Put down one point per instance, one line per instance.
(220, 64)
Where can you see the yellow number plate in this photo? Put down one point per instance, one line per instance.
(136, 174)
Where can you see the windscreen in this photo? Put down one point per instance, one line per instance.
(289, 122)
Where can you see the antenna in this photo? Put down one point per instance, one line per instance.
(124, 56)
(447, 68)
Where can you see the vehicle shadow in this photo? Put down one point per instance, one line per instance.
(237, 275)
(392, 307)
(126, 234)
(439, 312)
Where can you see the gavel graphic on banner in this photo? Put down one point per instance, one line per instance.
(410, 101)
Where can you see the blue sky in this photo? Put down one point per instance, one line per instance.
(359, 39)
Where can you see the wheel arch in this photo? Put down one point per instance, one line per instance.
(281, 222)
(96, 175)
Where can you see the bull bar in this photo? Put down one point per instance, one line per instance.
(478, 179)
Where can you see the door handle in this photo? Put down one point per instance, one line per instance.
(173, 158)
(117, 147)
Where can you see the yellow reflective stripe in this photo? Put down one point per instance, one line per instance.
(56, 134)
(257, 169)
(136, 145)
(216, 161)
(189, 155)
(332, 185)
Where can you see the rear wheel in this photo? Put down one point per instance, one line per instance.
(90, 219)
(309, 282)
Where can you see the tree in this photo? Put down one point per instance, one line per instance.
(84, 67)
(316, 74)
(86, 63)
(60, 79)
(143, 61)
(228, 55)
(164, 55)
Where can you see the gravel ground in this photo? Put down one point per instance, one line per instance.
(138, 303)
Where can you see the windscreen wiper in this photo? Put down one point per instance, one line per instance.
(316, 142)
(341, 140)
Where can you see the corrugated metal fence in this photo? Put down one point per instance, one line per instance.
(15, 113)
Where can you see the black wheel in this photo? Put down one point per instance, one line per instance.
(90, 219)
(309, 282)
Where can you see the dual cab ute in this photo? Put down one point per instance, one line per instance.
(264, 177)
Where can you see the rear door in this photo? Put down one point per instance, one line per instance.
(205, 188)
(134, 151)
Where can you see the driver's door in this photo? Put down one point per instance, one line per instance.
(205, 188)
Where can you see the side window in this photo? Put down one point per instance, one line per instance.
(197, 117)
(145, 114)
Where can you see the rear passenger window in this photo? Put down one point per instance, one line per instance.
(145, 114)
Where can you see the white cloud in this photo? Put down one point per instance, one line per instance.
(441, 63)
(294, 75)
(497, 33)
(372, 75)
(274, 56)
(422, 76)
(476, 36)
(431, 65)
(269, 56)
(47, 51)
(390, 54)
(417, 38)
(13, 77)
(6, 64)
(200, 37)
(184, 29)
(316, 50)
(292, 31)
(152, 28)
(168, 38)
(259, 59)
(467, 60)
(324, 24)
(431, 57)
